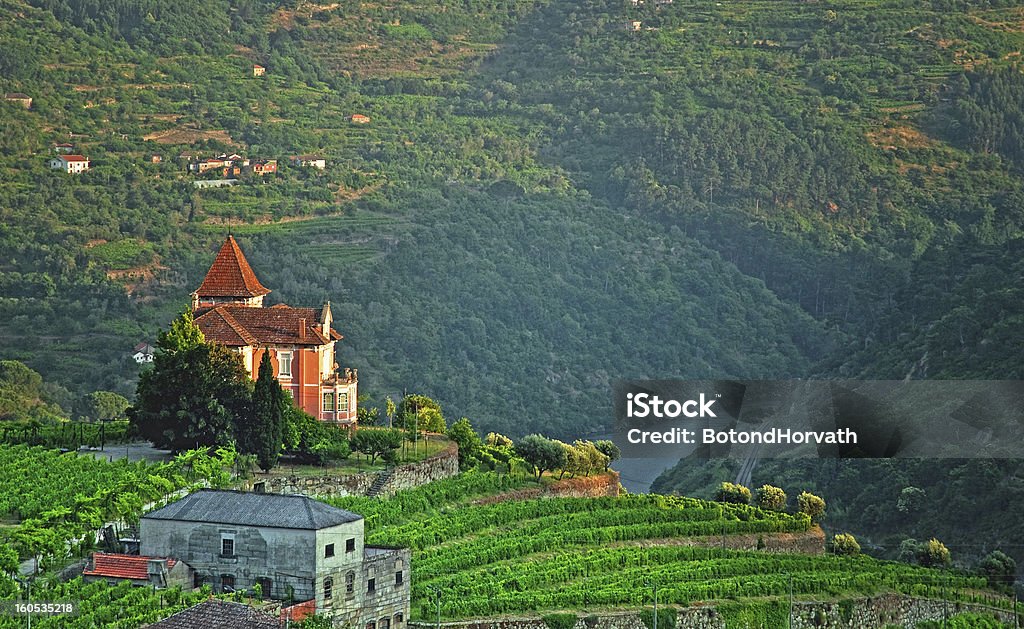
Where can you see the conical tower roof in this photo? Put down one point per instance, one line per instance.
(230, 275)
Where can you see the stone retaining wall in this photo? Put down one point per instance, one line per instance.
(864, 613)
(597, 486)
(444, 464)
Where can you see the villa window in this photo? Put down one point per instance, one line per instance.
(284, 364)
(328, 401)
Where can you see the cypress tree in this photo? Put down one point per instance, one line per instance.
(265, 432)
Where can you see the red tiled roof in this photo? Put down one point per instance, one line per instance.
(74, 158)
(236, 325)
(299, 611)
(230, 275)
(123, 566)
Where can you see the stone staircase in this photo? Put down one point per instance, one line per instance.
(380, 482)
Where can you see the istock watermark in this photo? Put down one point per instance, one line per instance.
(820, 418)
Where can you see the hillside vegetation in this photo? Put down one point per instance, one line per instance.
(544, 196)
(541, 197)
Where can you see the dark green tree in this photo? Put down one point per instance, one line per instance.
(610, 450)
(263, 434)
(462, 433)
(194, 394)
(542, 453)
(101, 406)
(999, 568)
(377, 443)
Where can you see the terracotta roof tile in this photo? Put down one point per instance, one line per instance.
(236, 325)
(123, 566)
(74, 158)
(230, 275)
(299, 611)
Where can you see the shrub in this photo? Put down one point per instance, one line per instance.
(772, 498)
(845, 544)
(560, 621)
(812, 505)
(733, 493)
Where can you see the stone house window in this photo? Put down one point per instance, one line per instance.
(227, 583)
(350, 583)
(399, 578)
(328, 588)
(384, 623)
(371, 625)
(227, 545)
(329, 550)
(371, 586)
(350, 545)
(398, 620)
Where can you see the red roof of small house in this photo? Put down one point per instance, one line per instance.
(299, 611)
(116, 566)
(237, 325)
(74, 158)
(230, 275)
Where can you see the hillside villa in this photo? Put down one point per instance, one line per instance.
(229, 310)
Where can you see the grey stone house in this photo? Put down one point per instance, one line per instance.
(293, 547)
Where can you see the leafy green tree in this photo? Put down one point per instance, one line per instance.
(588, 458)
(462, 433)
(998, 568)
(316, 622)
(610, 450)
(496, 440)
(195, 393)
(911, 500)
(812, 505)
(731, 492)
(845, 544)
(933, 553)
(389, 410)
(377, 443)
(541, 453)
(771, 497)
(263, 434)
(102, 406)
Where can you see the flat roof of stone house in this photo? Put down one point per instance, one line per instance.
(254, 509)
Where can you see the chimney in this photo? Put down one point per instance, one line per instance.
(302, 329)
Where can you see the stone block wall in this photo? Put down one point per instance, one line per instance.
(444, 464)
(878, 611)
(864, 613)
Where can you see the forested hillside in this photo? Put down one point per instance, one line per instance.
(542, 196)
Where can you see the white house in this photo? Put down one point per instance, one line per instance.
(143, 353)
(70, 163)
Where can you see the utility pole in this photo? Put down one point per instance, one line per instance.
(790, 601)
(654, 586)
(437, 592)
